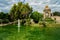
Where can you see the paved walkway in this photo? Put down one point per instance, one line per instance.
(8, 23)
(57, 18)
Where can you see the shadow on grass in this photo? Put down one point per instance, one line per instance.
(6, 31)
(29, 33)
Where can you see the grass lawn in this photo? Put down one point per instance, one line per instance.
(10, 32)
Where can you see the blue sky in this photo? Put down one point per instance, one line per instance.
(38, 5)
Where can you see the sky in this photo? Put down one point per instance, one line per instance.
(38, 5)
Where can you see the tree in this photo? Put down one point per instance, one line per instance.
(20, 11)
(36, 16)
(13, 14)
(1, 15)
(4, 17)
(56, 13)
(24, 10)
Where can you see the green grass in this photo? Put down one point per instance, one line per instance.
(10, 32)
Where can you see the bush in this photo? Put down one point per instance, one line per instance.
(5, 21)
(36, 16)
(23, 21)
(1, 21)
(49, 20)
(56, 13)
(36, 21)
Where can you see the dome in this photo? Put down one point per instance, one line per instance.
(46, 9)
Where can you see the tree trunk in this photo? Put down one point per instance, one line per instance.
(18, 25)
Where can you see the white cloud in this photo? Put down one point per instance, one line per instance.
(0, 10)
(38, 5)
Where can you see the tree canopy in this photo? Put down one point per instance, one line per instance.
(20, 11)
(36, 16)
(56, 13)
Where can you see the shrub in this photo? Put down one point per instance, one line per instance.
(1, 21)
(49, 20)
(5, 21)
(36, 16)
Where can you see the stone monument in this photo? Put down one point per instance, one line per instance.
(47, 12)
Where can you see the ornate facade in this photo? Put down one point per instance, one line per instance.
(47, 12)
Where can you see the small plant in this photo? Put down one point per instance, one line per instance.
(49, 20)
(44, 24)
(55, 20)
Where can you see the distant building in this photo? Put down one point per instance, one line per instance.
(47, 12)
